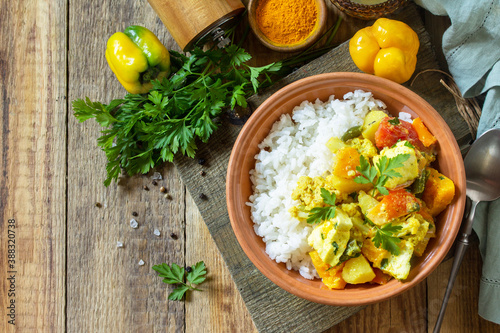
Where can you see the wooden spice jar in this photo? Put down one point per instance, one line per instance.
(193, 22)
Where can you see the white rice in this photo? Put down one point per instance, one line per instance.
(296, 147)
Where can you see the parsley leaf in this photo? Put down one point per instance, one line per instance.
(318, 214)
(384, 169)
(409, 145)
(385, 237)
(197, 275)
(178, 293)
(175, 275)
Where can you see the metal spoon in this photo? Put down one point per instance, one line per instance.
(482, 165)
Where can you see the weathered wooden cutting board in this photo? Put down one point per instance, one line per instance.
(272, 309)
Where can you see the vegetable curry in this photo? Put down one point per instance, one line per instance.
(376, 209)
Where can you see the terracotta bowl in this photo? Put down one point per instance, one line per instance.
(313, 37)
(239, 187)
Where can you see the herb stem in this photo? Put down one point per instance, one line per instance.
(334, 31)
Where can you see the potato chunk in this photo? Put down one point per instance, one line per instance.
(371, 123)
(357, 270)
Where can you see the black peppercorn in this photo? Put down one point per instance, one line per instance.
(203, 196)
(174, 236)
(98, 205)
(154, 183)
(201, 161)
(203, 173)
(134, 214)
(189, 269)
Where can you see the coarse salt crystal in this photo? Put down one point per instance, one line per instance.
(134, 224)
(141, 262)
(119, 244)
(157, 232)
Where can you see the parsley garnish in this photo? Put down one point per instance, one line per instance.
(335, 247)
(318, 214)
(384, 169)
(142, 131)
(408, 144)
(394, 121)
(385, 237)
(175, 275)
(368, 221)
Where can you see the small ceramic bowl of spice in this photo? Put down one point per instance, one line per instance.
(287, 26)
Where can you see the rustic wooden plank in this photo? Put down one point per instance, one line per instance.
(219, 308)
(32, 165)
(404, 313)
(108, 291)
(259, 294)
(461, 313)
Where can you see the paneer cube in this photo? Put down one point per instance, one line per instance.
(409, 171)
(330, 238)
(399, 266)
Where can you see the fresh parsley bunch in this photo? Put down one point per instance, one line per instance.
(142, 131)
(175, 275)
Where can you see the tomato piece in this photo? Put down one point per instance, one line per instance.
(396, 204)
(391, 130)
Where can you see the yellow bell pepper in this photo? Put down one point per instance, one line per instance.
(136, 56)
(387, 49)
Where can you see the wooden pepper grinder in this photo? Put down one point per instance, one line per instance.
(194, 22)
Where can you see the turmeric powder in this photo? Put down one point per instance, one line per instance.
(287, 22)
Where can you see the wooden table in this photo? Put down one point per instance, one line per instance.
(68, 273)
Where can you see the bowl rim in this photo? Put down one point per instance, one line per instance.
(321, 23)
(354, 296)
(368, 12)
